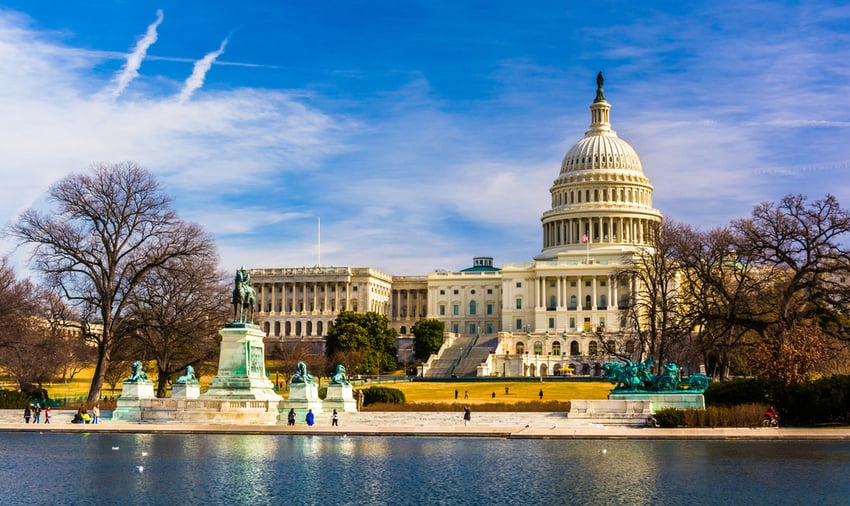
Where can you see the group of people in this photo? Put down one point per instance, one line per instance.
(310, 418)
(83, 416)
(33, 411)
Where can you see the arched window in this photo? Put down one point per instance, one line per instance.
(520, 348)
(297, 328)
(403, 331)
(587, 301)
(538, 348)
(603, 302)
(472, 307)
(574, 348)
(277, 328)
(593, 348)
(573, 302)
(556, 348)
(319, 327)
(266, 328)
(309, 328)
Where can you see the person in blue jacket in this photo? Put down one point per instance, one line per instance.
(310, 418)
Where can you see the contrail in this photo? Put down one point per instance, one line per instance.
(131, 69)
(202, 66)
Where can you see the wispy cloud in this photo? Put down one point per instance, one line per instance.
(134, 60)
(199, 73)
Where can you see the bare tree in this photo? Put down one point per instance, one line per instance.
(110, 228)
(177, 313)
(35, 334)
(654, 311)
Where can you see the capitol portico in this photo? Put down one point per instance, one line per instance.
(554, 313)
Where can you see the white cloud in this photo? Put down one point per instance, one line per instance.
(134, 60)
(199, 73)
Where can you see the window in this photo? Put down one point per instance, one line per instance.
(519, 324)
(519, 303)
(472, 292)
(472, 309)
(593, 348)
(572, 283)
(489, 328)
(538, 348)
(489, 308)
(473, 329)
(556, 348)
(442, 292)
(603, 302)
(489, 291)
(455, 292)
(455, 328)
(572, 323)
(574, 348)
(551, 323)
(456, 309)
(587, 283)
(519, 284)
(354, 289)
(520, 348)
(442, 309)
(573, 302)
(552, 284)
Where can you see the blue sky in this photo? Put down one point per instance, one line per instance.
(421, 133)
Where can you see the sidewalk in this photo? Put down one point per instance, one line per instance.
(429, 424)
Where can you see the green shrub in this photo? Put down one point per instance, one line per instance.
(668, 418)
(12, 399)
(739, 391)
(373, 395)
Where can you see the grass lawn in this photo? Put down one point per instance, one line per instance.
(518, 392)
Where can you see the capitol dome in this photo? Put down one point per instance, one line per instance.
(601, 197)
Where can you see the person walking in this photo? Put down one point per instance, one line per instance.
(335, 419)
(291, 417)
(310, 417)
(455, 393)
(467, 416)
(95, 411)
(541, 394)
(27, 413)
(36, 413)
(47, 414)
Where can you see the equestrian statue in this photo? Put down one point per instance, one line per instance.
(243, 297)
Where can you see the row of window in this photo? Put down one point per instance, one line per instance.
(456, 291)
(473, 309)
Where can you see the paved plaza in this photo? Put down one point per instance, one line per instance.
(430, 424)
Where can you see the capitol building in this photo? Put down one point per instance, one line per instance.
(552, 314)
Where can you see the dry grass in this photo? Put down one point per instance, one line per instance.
(742, 415)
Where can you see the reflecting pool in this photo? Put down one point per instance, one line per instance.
(54, 468)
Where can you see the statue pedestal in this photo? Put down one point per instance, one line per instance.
(133, 396)
(340, 398)
(302, 397)
(241, 366)
(617, 413)
(681, 399)
(185, 391)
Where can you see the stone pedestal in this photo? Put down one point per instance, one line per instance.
(340, 398)
(241, 366)
(662, 400)
(302, 397)
(185, 391)
(130, 402)
(618, 413)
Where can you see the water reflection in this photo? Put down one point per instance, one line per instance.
(256, 469)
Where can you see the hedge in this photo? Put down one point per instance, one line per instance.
(374, 395)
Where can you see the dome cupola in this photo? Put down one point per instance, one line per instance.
(601, 197)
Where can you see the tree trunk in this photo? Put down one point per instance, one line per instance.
(161, 384)
(99, 372)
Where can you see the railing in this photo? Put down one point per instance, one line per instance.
(209, 404)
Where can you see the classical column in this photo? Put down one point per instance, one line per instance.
(593, 304)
